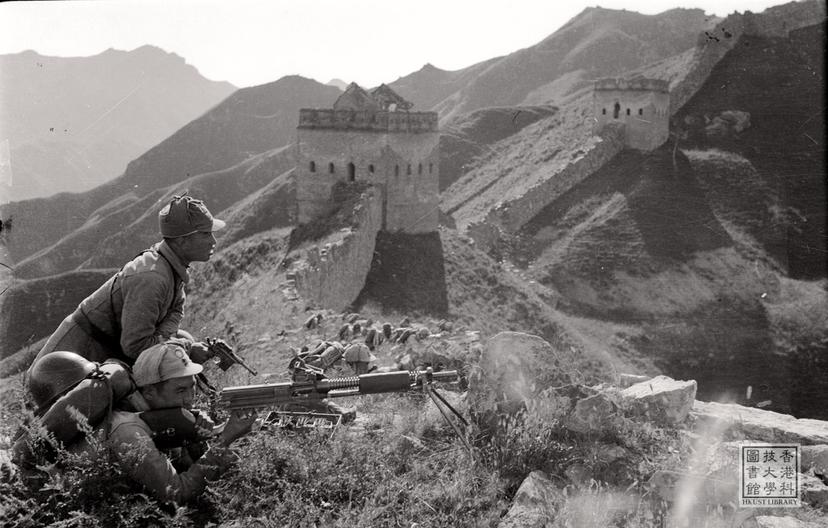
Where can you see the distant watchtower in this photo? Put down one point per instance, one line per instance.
(642, 104)
(371, 137)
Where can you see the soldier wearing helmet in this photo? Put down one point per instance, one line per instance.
(142, 305)
(164, 375)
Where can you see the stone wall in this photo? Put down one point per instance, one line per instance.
(776, 21)
(645, 114)
(331, 272)
(404, 167)
(511, 215)
(368, 120)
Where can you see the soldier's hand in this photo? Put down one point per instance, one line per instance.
(238, 425)
(200, 352)
(204, 426)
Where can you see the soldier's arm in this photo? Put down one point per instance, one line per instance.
(145, 464)
(169, 325)
(145, 297)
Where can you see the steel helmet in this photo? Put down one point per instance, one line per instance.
(54, 375)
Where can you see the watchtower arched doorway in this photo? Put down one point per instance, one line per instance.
(616, 110)
(351, 172)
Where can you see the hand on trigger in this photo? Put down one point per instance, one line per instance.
(200, 352)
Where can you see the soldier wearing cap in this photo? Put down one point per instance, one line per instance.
(164, 375)
(142, 305)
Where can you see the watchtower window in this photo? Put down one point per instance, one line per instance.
(430, 167)
(331, 167)
(616, 110)
(351, 172)
(408, 170)
(396, 170)
(603, 111)
(640, 111)
(420, 168)
(313, 166)
(371, 168)
(628, 111)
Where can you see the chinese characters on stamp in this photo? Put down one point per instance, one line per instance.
(769, 475)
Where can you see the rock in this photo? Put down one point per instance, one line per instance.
(759, 425)
(813, 491)
(814, 457)
(353, 318)
(535, 505)
(386, 330)
(671, 485)
(627, 380)
(423, 333)
(513, 368)
(311, 322)
(405, 322)
(578, 474)
(344, 332)
(662, 400)
(593, 414)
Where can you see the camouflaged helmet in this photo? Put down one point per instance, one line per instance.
(54, 375)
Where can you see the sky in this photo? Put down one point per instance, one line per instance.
(251, 42)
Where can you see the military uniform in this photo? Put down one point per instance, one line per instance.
(140, 306)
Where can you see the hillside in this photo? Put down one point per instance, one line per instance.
(430, 85)
(472, 135)
(780, 83)
(596, 43)
(249, 122)
(696, 267)
(73, 123)
(34, 309)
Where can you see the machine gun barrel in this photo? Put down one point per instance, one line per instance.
(274, 394)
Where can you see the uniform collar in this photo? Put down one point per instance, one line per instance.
(177, 265)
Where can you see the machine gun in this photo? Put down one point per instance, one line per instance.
(311, 385)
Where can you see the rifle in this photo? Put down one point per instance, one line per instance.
(310, 384)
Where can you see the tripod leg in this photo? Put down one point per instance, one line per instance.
(449, 420)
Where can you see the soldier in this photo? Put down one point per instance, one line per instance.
(142, 305)
(164, 375)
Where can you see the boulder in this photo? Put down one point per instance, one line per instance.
(593, 414)
(813, 491)
(662, 400)
(513, 368)
(627, 380)
(740, 422)
(535, 505)
(814, 458)
(710, 479)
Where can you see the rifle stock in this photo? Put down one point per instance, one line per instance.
(275, 394)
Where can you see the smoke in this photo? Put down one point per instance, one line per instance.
(691, 487)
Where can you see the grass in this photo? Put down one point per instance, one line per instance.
(398, 465)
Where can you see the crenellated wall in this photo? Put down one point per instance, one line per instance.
(331, 272)
(712, 45)
(510, 216)
(403, 166)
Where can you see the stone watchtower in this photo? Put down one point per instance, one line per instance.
(371, 137)
(641, 104)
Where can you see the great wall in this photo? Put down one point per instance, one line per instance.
(375, 138)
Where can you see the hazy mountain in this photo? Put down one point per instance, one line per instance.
(249, 122)
(596, 43)
(337, 83)
(430, 85)
(73, 123)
